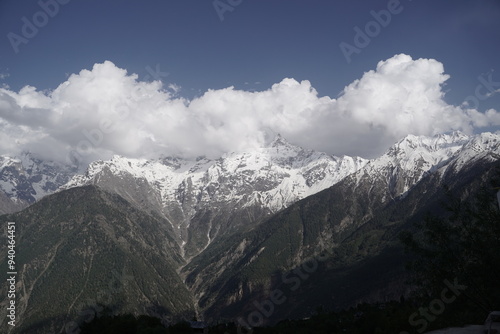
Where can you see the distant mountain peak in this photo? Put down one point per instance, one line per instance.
(280, 143)
(412, 144)
(454, 135)
(27, 178)
(410, 159)
(279, 140)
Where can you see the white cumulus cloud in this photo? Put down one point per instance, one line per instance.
(104, 111)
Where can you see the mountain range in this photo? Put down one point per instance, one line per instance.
(254, 236)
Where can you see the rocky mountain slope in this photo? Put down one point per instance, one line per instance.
(203, 199)
(273, 176)
(353, 226)
(26, 179)
(83, 249)
(222, 238)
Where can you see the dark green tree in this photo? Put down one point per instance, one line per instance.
(123, 324)
(462, 246)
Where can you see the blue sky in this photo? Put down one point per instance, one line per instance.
(256, 45)
(260, 41)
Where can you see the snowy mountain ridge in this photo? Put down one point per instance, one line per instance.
(482, 146)
(273, 176)
(27, 179)
(410, 159)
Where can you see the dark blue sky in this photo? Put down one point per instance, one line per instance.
(258, 43)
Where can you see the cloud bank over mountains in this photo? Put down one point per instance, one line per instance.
(106, 111)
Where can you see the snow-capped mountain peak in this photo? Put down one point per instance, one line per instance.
(187, 191)
(275, 175)
(28, 178)
(485, 145)
(410, 159)
(211, 193)
(439, 146)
